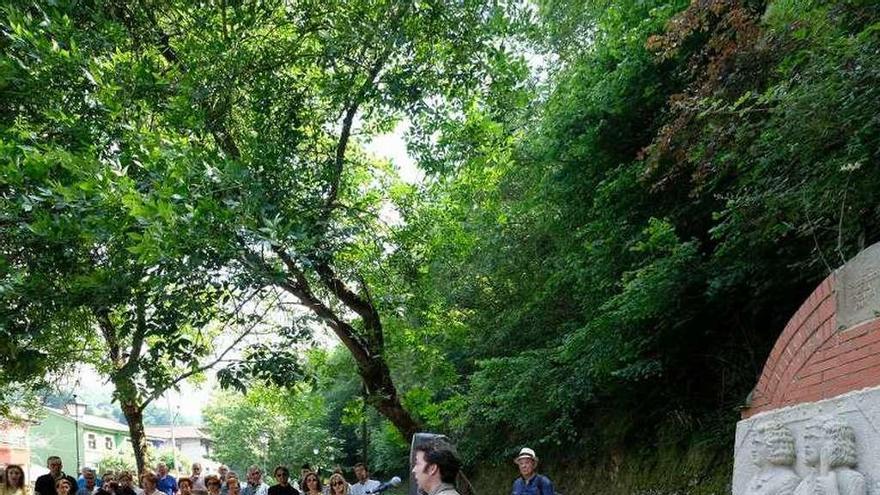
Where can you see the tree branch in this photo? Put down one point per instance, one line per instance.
(354, 301)
(156, 394)
(300, 288)
(108, 331)
(137, 341)
(350, 298)
(351, 109)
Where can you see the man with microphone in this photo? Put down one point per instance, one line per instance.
(436, 467)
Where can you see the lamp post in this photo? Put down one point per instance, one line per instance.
(76, 409)
(173, 440)
(264, 447)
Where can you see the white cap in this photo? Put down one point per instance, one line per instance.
(526, 452)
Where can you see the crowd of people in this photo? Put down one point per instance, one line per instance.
(435, 470)
(161, 482)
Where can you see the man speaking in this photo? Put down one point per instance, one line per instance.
(436, 467)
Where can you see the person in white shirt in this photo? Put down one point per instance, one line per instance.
(198, 481)
(255, 485)
(364, 483)
(149, 481)
(14, 483)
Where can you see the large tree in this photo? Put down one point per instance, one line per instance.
(251, 111)
(96, 268)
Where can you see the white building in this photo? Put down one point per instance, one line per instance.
(190, 441)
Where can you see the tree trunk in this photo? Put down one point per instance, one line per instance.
(382, 394)
(367, 349)
(135, 418)
(127, 393)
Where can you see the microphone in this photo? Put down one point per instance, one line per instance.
(393, 482)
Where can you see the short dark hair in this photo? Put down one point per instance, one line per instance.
(361, 465)
(440, 452)
(283, 469)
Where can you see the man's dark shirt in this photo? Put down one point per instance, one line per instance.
(45, 484)
(283, 490)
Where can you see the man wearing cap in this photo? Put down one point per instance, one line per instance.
(529, 481)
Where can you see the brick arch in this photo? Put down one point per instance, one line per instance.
(814, 359)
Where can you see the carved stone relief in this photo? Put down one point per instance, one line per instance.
(774, 454)
(831, 447)
(829, 450)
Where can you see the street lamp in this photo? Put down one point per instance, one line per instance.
(264, 446)
(173, 440)
(76, 409)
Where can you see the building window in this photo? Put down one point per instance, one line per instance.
(108, 443)
(92, 444)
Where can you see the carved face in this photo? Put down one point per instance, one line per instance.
(812, 444)
(760, 451)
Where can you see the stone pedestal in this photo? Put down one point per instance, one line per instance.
(858, 410)
(812, 423)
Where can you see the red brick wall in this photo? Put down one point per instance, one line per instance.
(813, 360)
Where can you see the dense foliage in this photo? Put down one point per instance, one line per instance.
(617, 262)
(271, 427)
(624, 203)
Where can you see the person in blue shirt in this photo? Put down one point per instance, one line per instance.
(529, 481)
(81, 481)
(165, 483)
(90, 482)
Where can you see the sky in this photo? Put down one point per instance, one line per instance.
(392, 147)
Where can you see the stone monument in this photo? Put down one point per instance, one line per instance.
(812, 424)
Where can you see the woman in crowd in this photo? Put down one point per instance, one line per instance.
(312, 484)
(109, 486)
(185, 485)
(148, 483)
(338, 485)
(126, 486)
(212, 484)
(62, 487)
(233, 486)
(14, 481)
